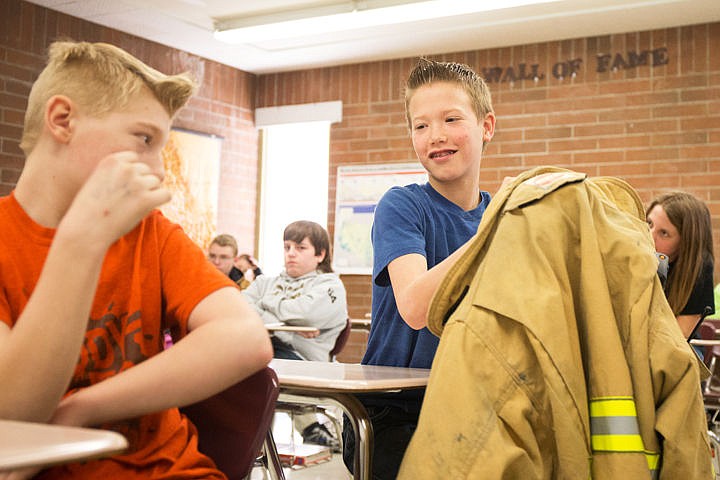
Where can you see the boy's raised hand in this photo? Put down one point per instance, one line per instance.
(119, 193)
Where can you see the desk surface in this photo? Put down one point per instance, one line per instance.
(704, 343)
(281, 327)
(24, 444)
(360, 323)
(347, 377)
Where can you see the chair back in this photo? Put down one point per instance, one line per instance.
(707, 332)
(341, 340)
(232, 425)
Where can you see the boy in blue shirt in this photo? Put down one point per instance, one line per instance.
(418, 233)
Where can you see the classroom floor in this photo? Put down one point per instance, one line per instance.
(331, 470)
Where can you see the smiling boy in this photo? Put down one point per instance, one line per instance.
(417, 234)
(92, 274)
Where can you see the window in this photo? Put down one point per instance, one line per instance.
(295, 166)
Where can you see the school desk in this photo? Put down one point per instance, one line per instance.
(320, 383)
(25, 444)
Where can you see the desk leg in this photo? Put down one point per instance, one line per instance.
(357, 414)
(272, 460)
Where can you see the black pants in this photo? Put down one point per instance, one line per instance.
(393, 427)
(283, 350)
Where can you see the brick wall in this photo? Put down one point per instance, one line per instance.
(641, 106)
(223, 105)
(651, 118)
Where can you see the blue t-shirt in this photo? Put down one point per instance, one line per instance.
(411, 219)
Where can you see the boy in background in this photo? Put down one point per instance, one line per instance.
(92, 274)
(418, 233)
(308, 294)
(223, 252)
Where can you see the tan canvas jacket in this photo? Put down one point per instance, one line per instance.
(561, 358)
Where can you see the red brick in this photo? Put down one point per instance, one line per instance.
(523, 147)
(656, 126)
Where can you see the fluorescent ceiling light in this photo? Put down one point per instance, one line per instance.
(353, 15)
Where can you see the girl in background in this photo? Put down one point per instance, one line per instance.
(248, 266)
(680, 226)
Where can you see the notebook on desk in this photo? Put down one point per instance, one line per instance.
(302, 455)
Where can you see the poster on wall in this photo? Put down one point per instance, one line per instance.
(192, 174)
(359, 188)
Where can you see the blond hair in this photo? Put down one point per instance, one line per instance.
(429, 71)
(100, 78)
(226, 240)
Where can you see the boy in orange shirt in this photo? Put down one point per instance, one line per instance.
(92, 274)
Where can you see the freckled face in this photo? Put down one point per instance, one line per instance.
(664, 233)
(446, 133)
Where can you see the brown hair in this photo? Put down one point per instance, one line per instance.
(428, 71)
(101, 78)
(225, 240)
(691, 217)
(249, 259)
(318, 237)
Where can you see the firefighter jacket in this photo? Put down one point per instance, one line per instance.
(559, 356)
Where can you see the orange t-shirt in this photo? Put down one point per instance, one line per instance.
(152, 278)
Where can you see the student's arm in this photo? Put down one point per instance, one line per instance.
(38, 355)
(227, 343)
(414, 285)
(687, 323)
(254, 295)
(253, 292)
(319, 304)
(702, 297)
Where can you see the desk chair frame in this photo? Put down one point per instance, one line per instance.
(234, 426)
(297, 408)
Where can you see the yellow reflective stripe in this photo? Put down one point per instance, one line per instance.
(614, 428)
(613, 425)
(613, 407)
(617, 443)
(653, 460)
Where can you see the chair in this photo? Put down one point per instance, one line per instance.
(341, 341)
(296, 409)
(234, 424)
(710, 391)
(707, 332)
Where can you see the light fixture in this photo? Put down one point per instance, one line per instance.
(349, 15)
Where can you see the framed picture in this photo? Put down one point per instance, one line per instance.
(359, 188)
(192, 174)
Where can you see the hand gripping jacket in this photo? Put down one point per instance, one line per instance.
(559, 356)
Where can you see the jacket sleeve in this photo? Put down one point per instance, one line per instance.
(680, 417)
(254, 295)
(321, 304)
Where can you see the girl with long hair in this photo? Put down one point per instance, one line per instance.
(680, 226)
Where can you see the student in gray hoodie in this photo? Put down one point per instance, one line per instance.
(307, 293)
